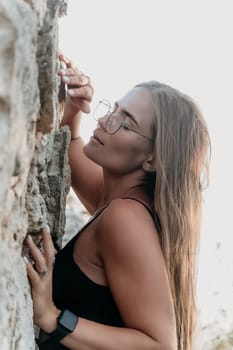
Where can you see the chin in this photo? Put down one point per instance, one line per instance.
(86, 149)
(90, 152)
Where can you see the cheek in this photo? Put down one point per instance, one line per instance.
(124, 156)
(119, 155)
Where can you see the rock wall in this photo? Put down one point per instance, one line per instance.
(34, 171)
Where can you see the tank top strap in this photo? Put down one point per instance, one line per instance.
(91, 219)
(148, 205)
(145, 204)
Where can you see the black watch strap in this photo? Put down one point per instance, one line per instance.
(66, 323)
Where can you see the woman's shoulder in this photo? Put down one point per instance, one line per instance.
(126, 209)
(124, 220)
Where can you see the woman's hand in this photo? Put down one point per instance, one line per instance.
(80, 90)
(40, 276)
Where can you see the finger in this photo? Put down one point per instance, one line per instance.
(85, 92)
(64, 59)
(75, 80)
(67, 61)
(32, 274)
(81, 104)
(49, 250)
(38, 257)
(70, 72)
(78, 79)
(84, 106)
(61, 56)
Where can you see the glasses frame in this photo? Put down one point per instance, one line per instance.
(109, 113)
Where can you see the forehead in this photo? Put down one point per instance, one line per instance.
(138, 102)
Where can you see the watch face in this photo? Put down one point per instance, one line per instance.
(68, 320)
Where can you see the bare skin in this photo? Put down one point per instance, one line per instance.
(120, 248)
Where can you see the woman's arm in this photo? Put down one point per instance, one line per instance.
(135, 269)
(86, 176)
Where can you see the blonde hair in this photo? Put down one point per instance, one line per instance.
(180, 150)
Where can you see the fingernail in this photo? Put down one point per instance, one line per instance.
(30, 238)
(71, 92)
(25, 259)
(66, 79)
(47, 229)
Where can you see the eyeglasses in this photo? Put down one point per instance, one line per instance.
(112, 121)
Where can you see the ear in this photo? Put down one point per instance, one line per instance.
(149, 164)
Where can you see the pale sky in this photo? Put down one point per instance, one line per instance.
(187, 44)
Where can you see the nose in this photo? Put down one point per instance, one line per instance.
(102, 122)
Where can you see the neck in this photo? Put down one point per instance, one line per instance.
(117, 186)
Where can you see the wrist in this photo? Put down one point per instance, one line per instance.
(48, 322)
(73, 123)
(66, 324)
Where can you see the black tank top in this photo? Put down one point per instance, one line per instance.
(74, 291)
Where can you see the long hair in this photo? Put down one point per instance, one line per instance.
(181, 157)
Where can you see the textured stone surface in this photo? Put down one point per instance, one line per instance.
(34, 171)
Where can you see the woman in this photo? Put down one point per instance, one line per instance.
(127, 279)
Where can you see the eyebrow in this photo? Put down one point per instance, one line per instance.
(128, 114)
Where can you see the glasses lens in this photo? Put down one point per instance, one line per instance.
(102, 109)
(113, 123)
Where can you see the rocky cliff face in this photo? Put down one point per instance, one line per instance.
(34, 170)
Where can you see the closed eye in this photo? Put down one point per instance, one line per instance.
(125, 126)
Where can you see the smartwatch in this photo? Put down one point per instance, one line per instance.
(66, 323)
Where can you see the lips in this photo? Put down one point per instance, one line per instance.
(96, 138)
